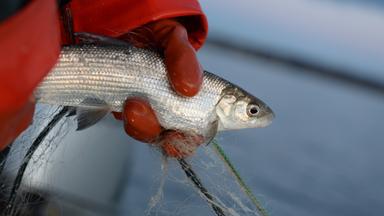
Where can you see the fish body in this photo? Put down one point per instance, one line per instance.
(92, 77)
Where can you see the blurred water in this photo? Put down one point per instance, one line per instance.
(373, 3)
(329, 32)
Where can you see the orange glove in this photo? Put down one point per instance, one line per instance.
(185, 75)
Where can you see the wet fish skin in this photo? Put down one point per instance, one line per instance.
(110, 74)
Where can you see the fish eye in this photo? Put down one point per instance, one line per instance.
(252, 110)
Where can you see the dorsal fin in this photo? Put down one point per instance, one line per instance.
(89, 38)
(212, 131)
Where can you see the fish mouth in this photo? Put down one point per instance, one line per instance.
(271, 113)
(268, 117)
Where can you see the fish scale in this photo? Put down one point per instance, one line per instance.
(114, 73)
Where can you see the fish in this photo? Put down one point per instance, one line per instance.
(97, 79)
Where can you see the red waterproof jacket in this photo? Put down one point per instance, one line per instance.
(30, 40)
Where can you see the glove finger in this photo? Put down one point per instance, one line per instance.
(118, 115)
(140, 121)
(184, 70)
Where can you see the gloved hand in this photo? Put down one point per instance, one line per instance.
(185, 75)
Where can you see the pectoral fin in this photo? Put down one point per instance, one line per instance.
(211, 133)
(90, 114)
(71, 112)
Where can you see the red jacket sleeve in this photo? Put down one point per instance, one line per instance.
(117, 17)
(29, 47)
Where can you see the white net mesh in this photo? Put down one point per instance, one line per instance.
(223, 196)
(216, 178)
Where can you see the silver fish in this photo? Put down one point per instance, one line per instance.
(97, 79)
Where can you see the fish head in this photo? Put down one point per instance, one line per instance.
(238, 109)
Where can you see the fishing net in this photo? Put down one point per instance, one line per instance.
(34, 148)
(214, 182)
(214, 185)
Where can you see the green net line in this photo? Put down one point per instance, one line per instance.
(244, 187)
